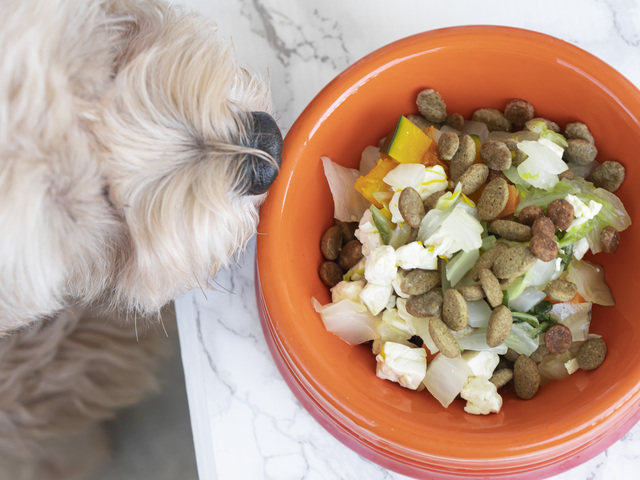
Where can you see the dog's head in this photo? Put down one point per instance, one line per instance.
(159, 184)
(190, 150)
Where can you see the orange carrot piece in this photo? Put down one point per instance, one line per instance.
(512, 202)
(577, 299)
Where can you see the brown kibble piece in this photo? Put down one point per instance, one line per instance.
(419, 121)
(499, 326)
(463, 158)
(501, 377)
(418, 281)
(526, 378)
(530, 214)
(578, 130)
(493, 199)
(495, 155)
(330, 273)
(455, 312)
(608, 175)
(431, 105)
(442, 337)
(411, 207)
(592, 353)
(511, 144)
(425, 305)
(561, 290)
(543, 248)
(350, 255)
(580, 151)
(543, 227)
(511, 355)
(558, 338)
(331, 243)
(561, 213)
(496, 174)
(348, 230)
(473, 178)
(428, 304)
(448, 145)
(609, 239)
(432, 200)
(472, 293)
(493, 118)
(511, 230)
(513, 262)
(519, 111)
(491, 287)
(518, 157)
(487, 258)
(455, 120)
(540, 352)
(566, 175)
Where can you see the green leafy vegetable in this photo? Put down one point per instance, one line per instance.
(382, 223)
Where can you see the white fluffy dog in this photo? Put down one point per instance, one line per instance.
(134, 153)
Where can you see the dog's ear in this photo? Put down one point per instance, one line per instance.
(60, 236)
(51, 208)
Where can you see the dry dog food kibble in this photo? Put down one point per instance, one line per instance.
(419, 281)
(543, 227)
(425, 305)
(471, 245)
(493, 118)
(608, 175)
(473, 178)
(493, 199)
(442, 337)
(448, 145)
(499, 327)
(495, 155)
(592, 353)
(455, 312)
(519, 111)
(526, 378)
(463, 158)
(558, 338)
(543, 248)
(579, 151)
(561, 213)
(530, 214)
(610, 239)
(331, 243)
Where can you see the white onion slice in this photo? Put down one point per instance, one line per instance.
(591, 283)
(348, 204)
(446, 377)
(349, 320)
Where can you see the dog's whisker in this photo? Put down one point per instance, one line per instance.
(200, 286)
(221, 287)
(163, 327)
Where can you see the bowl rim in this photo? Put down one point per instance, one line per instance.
(601, 434)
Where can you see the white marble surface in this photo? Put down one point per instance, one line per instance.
(246, 422)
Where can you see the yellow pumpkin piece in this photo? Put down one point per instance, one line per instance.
(478, 143)
(408, 143)
(372, 182)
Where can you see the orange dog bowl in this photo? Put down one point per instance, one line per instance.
(568, 421)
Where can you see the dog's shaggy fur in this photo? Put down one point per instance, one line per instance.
(126, 143)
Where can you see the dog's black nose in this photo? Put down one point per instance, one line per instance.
(265, 136)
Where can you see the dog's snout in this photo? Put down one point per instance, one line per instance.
(265, 136)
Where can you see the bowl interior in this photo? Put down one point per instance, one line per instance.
(471, 68)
